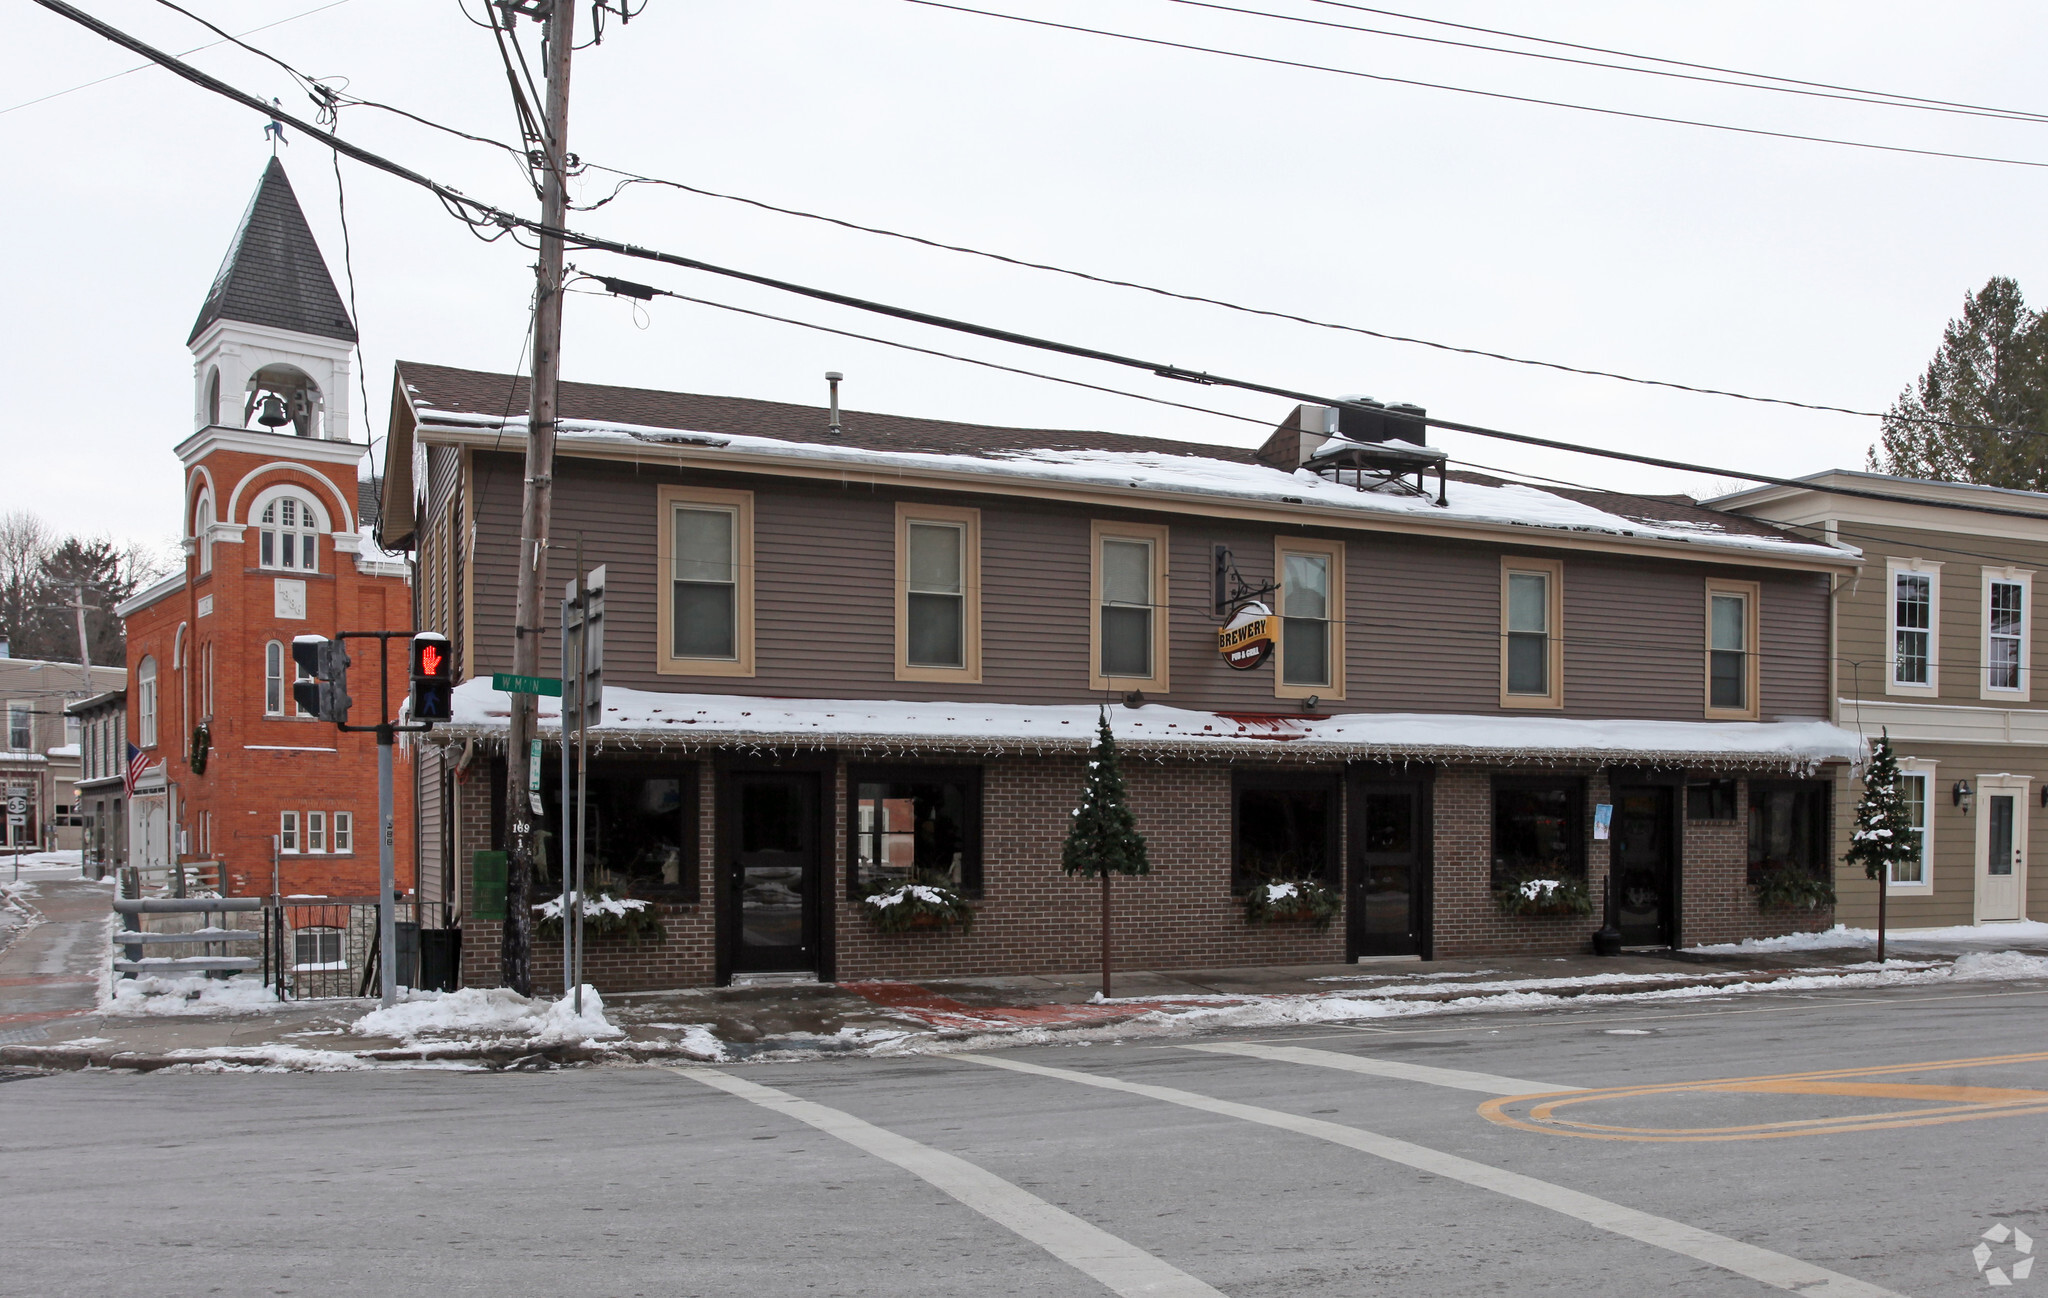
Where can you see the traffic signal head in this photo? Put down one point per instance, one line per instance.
(433, 678)
(322, 690)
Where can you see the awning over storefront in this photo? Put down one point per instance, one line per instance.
(648, 721)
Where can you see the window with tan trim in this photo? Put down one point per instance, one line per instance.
(1531, 633)
(1127, 629)
(1311, 607)
(706, 606)
(938, 594)
(1732, 658)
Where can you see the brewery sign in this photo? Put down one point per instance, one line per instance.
(1246, 640)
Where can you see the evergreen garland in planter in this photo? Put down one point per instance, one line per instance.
(1792, 889)
(901, 907)
(604, 915)
(1544, 896)
(1293, 899)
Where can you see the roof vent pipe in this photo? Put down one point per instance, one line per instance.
(832, 378)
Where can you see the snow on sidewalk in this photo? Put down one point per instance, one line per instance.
(2009, 933)
(490, 1015)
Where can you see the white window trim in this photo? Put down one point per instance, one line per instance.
(282, 678)
(1158, 537)
(969, 523)
(1932, 571)
(2024, 579)
(741, 503)
(316, 833)
(147, 691)
(341, 825)
(1334, 552)
(27, 709)
(321, 525)
(1924, 767)
(288, 841)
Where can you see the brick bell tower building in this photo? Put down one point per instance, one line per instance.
(276, 545)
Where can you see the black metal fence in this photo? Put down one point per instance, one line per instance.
(318, 947)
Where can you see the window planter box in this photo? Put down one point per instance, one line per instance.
(907, 907)
(1293, 901)
(1791, 889)
(604, 916)
(1544, 897)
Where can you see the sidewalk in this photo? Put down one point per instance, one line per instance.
(225, 1026)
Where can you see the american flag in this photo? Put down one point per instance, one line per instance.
(138, 761)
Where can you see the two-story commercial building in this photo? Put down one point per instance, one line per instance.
(844, 646)
(102, 788)
(1935, 647)
(39, 754)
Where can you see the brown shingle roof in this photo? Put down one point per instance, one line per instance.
(438, 387)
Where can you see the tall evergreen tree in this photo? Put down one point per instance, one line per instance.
(1990, 373)
(1884, 835)
(1104, 839)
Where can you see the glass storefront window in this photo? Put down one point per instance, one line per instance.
(915, 825)
(1286, 828)
(1538, 830)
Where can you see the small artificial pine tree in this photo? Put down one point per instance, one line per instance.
(1104, 839)
(1884, 833)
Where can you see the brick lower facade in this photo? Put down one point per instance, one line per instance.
(1033, 919)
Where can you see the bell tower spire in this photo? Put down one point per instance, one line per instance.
(273, 342)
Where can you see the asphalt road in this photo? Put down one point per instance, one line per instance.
(1317, 1161)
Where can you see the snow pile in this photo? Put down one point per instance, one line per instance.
(1995, 966)
(153, 996)
(2022, 932)
(622, 906)
(1280, 892)
(1542, 890)
(490, 1012)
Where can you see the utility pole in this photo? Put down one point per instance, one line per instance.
(521, 807)
(84, 647)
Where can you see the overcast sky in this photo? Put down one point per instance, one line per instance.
(1775, 267)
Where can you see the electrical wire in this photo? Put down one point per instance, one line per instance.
(1483, 94)
(115, 76)
(473, 211)
(524, 159)
(1853, 97)
(1652, 58)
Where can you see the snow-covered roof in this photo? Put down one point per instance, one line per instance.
(642, 719)
(64, 752)
(142, 599)
(738, 432)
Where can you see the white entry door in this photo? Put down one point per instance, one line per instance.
(2001, 847)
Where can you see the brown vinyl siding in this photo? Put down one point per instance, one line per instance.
(1423, 617)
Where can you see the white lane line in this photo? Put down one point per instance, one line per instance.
(1456, 1078)
(1120, 1267)
(1761, 1264)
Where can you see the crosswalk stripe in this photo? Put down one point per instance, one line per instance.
(1775, 1269)
(1119, 1266)
(1456, 1078)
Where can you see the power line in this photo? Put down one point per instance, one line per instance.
(633, 178)
(1676, 63)
(1853, 97)
(473, 212)
(1474, 90)
(115, 76)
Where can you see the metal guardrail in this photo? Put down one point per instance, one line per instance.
(214, 936)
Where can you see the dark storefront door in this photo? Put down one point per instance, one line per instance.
(772, 874)
(1643, 864)
(1388, 905)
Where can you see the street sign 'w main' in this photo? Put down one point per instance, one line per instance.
(510, 684)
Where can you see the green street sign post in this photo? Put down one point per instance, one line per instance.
(510, 684)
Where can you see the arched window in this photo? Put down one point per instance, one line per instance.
(202, 532)
(213, 395)
(289, 535)
(145, 701)
(273, 679)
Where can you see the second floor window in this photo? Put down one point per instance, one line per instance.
(273, 679)
(289, 535)
(1912, 628)
(936, 600)
(145, 703)
(1531, 672)
(1305, 619)
(21, 731)
(1126, 610)
(2005, 634)
(1731, 649)
(706, 584)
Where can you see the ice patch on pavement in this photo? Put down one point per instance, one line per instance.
(491, 1012)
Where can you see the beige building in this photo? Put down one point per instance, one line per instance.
(1935, 647)
(39, 753)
